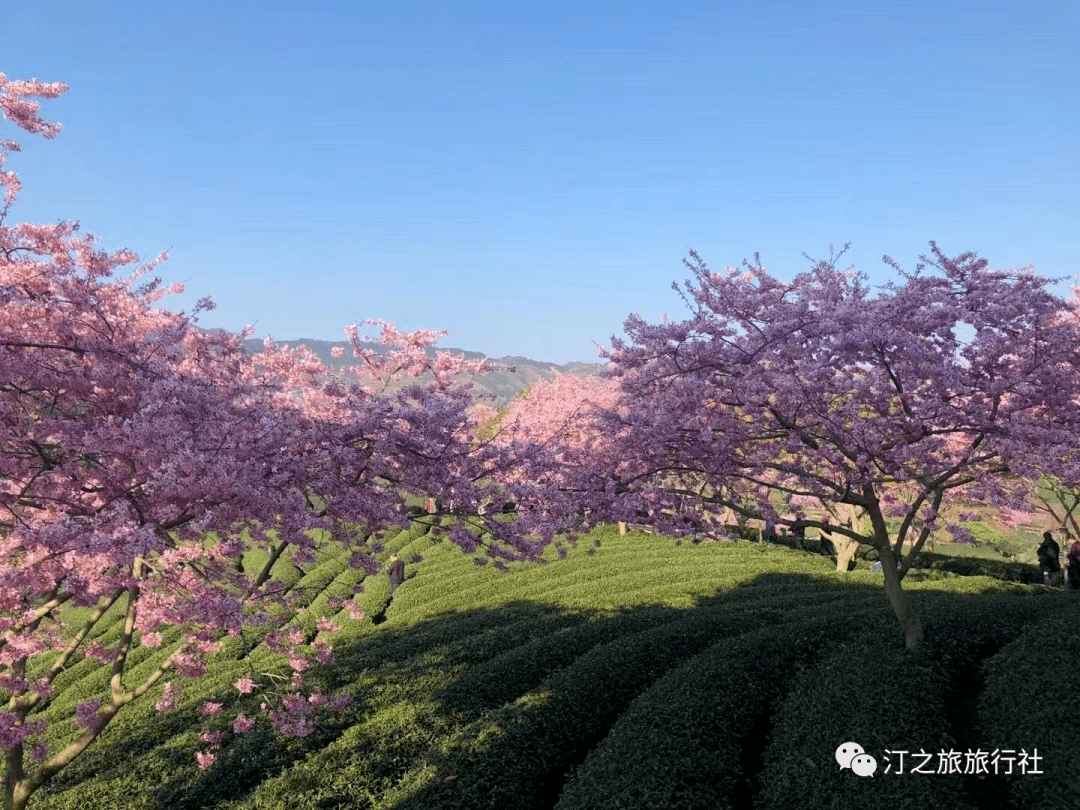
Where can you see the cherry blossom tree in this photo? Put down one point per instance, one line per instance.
(949, 376)
(141, 457)
(552, 441)
(1050, 500)
(1053, 498)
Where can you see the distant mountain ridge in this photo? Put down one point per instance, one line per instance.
(501, 385)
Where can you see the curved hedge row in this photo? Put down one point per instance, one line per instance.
(513, 679)
(1030, 704)
(981, 566)
(560, 684)
(873, 693)
(525, 749)
(684, 742)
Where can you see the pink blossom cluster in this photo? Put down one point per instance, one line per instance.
(954, 379)
(127, 447)
(13, 732)
(170, 693)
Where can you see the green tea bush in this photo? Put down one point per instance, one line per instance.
(684, 741)
(524, 667)
(978, 566)
(490, 690)
(1029, 704)
(874, 693)
(591, 583)
(963, 628)
(517, 755)
(319, 577)
(378, 757)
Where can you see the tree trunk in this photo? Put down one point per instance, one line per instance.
(901, 604)
(18, 800)
(845, 552)
(12, 777)
(17, 790)
(854, 518)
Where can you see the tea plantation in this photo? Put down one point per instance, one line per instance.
(645, 675)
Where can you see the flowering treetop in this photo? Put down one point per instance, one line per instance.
(140, 457)
(17, 106)
(823, 388)
(819, 387)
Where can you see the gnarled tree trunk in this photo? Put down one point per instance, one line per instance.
(854, 518)
(846, 548)
(898, 598)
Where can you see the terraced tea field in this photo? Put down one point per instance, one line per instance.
(723, 675)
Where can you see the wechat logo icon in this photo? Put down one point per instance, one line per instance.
(851, 755)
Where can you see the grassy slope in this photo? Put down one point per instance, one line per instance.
(644, 675)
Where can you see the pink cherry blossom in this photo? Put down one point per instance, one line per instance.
(215, 738)
(820, 391)
(210, 709)
(128, 446)
(340, 702)
(245, 686)
(86, 714)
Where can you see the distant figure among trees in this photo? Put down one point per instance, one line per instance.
(769, 534)
(1072, 564)
(396, 570)
(1049, 559)
(825, 536)
(798, 531)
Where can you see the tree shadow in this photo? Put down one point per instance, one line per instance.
(475, 667)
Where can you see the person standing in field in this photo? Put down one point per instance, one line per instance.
(825, 537)
(798, 531)
(396, 570)
(1049, 559)
(769, 534)
(1072, 564)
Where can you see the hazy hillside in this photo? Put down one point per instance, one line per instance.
(514, 374)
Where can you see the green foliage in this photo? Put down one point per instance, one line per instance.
(1029, 703)
(527, 745)
(978, 566)
(701, 716)
(563, 683)
(873, 693)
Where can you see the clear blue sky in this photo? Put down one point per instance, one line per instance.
(526, 175)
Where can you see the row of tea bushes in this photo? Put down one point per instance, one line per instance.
(138, 731)
(980, 566)
(691, 739)
(489, 690)
(518, 755)
(1031, 702)
(873, 693)
(878, 695)
(441, 716)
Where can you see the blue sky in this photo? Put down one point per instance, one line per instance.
(526, 175)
